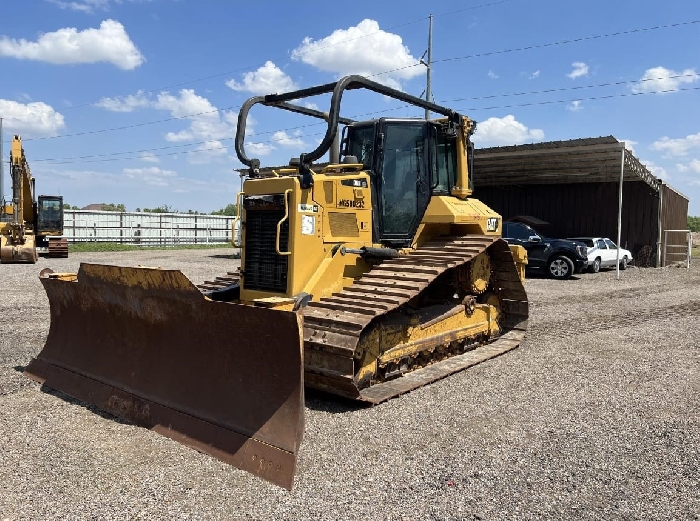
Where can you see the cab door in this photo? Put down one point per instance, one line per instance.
(403, 185)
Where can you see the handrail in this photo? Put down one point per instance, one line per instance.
(279, 224)
(333, 117)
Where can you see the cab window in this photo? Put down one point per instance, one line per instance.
(443, 167)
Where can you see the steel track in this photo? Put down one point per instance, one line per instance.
(333, 325)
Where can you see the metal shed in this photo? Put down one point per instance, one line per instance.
(575, 186)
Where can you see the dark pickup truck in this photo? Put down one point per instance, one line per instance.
(560, 258)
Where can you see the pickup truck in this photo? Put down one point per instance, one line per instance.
(559, 258)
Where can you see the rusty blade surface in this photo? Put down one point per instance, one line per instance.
(145, 345)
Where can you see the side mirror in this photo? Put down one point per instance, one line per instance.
(534, 238)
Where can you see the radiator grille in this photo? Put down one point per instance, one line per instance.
(265, 270)
(343, 224)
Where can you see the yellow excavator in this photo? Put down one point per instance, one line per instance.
(366, 277)
(27, 224)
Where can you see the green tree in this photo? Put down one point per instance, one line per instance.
(165, 208)
(111, 207)
(230, 209)
(694, 223)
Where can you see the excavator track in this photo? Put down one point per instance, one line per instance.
(333, 325)
(58, 248)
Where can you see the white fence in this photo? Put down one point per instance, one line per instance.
(146, 229)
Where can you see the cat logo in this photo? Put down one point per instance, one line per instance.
(492, 224)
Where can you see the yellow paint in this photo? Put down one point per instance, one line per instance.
(312, 266)
(520, 257)
(18, 239)
(278, 303)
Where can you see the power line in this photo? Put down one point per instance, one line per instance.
(135, 125)
(145, 150)
(492, 96)
(250, 67)
(72, 160)
(474, 7)
(577, 87)
(564, 42)
(552, 102)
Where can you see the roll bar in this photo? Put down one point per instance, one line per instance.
(332, 117)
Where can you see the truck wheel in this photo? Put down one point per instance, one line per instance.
(560, 267)
(595, 267)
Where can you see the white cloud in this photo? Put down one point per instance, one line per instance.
(206, 123)
(88, 6)
(580, 70)
(207, 152)
(663, 81)
(110, 43)
(125, 103)
(629, 144)
(153, 175)
(84, 6)
(149, 157)
(259, 149)
(364, 49)
(677, 147)
(693, 166)
(575, 106)
(535, 75)
(35, 117)
(286, 140)
(310, 105)
(492, 75)
(655, 169)
(505, 131)
(268, 79)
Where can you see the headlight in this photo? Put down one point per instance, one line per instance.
(582, 251)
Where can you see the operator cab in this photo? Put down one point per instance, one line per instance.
(409, 160)
(49, 214)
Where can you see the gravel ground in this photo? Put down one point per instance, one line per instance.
(596, 415)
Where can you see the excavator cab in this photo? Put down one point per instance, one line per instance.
(49, 219)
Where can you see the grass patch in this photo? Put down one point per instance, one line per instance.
(696, 252)
(87, 247)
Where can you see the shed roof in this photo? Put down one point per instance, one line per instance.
(585, 160)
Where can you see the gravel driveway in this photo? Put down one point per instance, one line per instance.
(596, 415)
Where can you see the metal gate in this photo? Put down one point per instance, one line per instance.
(677, 248)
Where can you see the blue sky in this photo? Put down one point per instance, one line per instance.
(135, 101)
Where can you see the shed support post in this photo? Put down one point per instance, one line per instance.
(619, 212)
(659, 224)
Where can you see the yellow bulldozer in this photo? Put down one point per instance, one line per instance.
(27, 223)
(366, 277)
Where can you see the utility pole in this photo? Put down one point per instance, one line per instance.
(2, 168)
(429, 64)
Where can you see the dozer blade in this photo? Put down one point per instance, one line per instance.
(145, 345)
